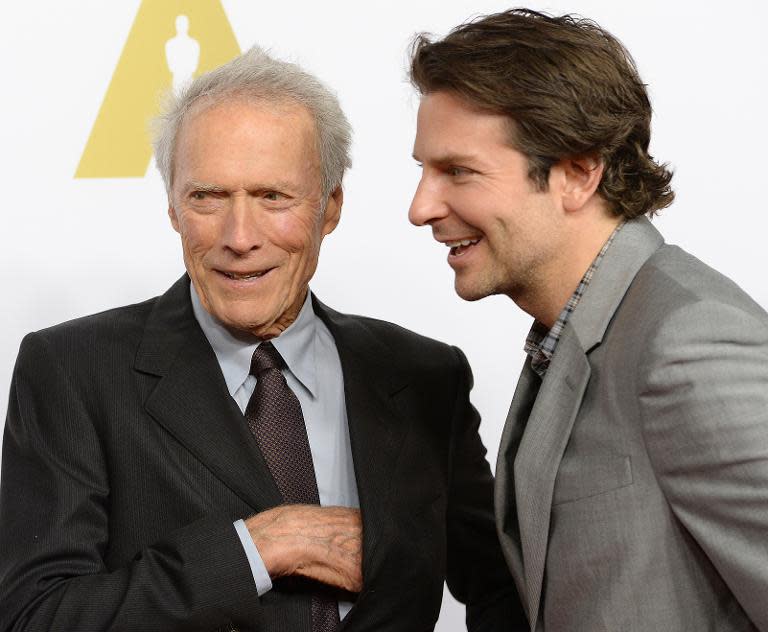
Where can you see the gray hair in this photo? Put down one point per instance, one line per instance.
(256, 75)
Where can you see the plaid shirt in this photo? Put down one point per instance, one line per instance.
(541, 343)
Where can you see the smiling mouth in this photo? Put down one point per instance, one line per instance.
(244, 276)
(459, 247)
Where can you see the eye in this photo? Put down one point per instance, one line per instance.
(458, 171)
(274, 196)
(199, 195)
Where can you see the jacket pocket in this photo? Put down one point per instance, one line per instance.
(588, 476)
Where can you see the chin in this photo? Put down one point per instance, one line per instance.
(239, 318)
(469, 292)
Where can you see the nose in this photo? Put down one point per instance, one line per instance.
(243, 230)
(428, 204)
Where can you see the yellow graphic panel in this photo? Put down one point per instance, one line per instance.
(170, 41)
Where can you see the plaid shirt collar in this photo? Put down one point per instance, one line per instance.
(541, 342)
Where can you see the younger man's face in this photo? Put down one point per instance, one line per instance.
(476, 195)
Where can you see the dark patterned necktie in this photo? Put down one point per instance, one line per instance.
(275, 419)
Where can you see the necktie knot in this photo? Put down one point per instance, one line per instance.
(266, 357)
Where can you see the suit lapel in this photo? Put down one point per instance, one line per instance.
(376, 428)
(190, 399)
(505, 502)
(631, 248)
(538, 458)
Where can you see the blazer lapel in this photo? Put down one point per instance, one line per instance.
(538, 458)
(191, 400)
(376, 428)
(505, 502)
(631, 248)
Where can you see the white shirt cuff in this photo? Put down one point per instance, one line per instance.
(260, 575)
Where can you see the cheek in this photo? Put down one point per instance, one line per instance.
(198, 235)
(474, 204)
(297, 235)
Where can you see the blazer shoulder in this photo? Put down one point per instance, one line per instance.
(674, 279)
(679, 305)
(112, 328)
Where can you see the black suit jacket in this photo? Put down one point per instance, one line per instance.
(125, 462)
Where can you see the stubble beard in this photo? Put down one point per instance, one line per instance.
(473, 289)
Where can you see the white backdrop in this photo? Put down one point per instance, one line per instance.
(70, 247)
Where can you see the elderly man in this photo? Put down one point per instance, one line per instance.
(632, 481)
(196, 461)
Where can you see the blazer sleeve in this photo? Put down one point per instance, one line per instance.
(704, 408)
(477, 574)
(55, 527)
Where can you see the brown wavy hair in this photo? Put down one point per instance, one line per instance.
(570, 89)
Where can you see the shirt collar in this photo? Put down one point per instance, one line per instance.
(296, 345)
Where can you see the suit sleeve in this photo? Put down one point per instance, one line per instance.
(477, 574)
(704, 405)
(55, 526)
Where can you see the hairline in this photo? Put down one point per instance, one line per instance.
(256, 76)
(209, 101)
(511, 138)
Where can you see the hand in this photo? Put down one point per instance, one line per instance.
(319, 543)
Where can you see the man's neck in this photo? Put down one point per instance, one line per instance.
(550, 293)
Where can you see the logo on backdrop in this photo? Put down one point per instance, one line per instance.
(170, 42)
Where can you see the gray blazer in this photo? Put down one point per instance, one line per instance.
(632, 490)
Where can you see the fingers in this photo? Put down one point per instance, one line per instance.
(319, 543)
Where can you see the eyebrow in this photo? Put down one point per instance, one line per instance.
(448, 159)
(279, 185)
(203, 186)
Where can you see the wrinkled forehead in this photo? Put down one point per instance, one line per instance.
(200, 111)
(279, 106)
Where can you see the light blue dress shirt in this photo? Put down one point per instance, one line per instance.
(314, 374)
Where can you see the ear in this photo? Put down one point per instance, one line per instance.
(173, 217)
(580, 179)
(332, 213)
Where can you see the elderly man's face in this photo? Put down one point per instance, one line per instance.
(246, 200)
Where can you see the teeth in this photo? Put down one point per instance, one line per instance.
(463, 242)
(241, 277)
